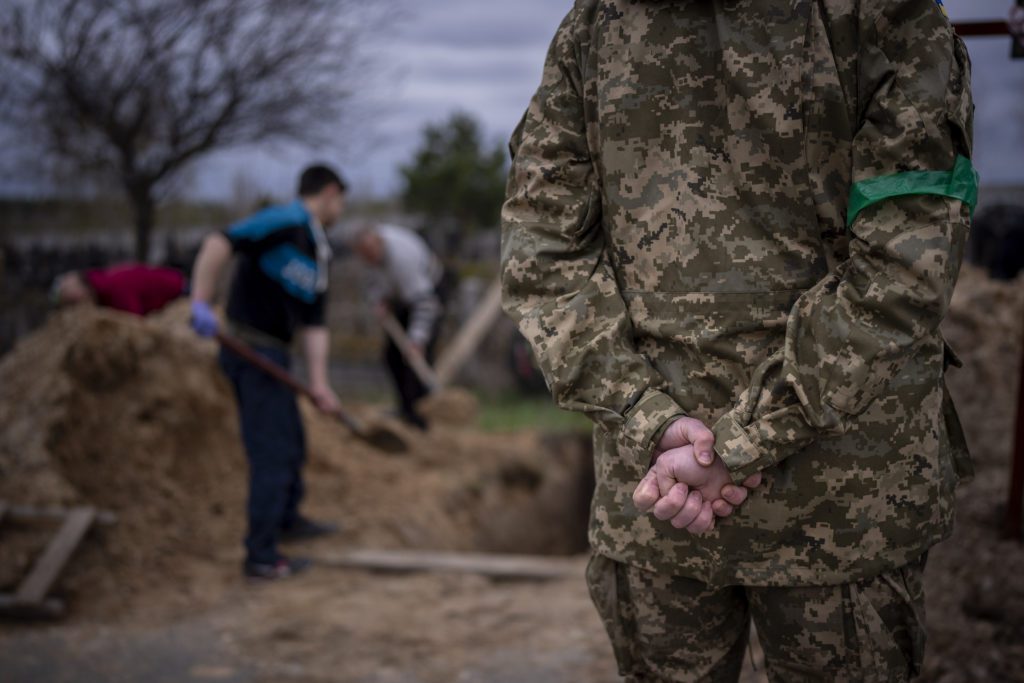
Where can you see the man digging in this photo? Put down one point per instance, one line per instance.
(731, 232)
(408, 282)
(279, 288)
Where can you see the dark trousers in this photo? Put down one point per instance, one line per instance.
(408, 386)
(276, 449)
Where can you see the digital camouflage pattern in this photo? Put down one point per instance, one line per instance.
(672, 628)
(674, 243)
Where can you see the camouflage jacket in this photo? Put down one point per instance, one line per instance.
(753, 212)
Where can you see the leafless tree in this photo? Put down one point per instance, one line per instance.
(134, 90)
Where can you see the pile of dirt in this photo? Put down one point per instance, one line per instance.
(121, 413)
(132, 415)
(450, 406)
(973, 581)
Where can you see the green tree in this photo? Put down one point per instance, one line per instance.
(456, 178)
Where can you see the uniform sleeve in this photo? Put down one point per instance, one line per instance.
(850, 335)
(557, 282)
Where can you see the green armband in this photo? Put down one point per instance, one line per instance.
(960, 183)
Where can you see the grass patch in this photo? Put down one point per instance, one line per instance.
(512, 412)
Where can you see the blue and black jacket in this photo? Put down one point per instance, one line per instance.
(274, 289)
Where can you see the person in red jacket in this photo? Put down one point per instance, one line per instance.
(132, 288)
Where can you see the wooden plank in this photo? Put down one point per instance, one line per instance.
(494, 565)
(4, 507)
(47, 567)
(470, 336)
(50, 608)
(32, 514)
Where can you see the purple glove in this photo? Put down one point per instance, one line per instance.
(204, 320)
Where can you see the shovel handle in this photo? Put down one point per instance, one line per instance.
(246, 352)
(417, 362)
(249, 354)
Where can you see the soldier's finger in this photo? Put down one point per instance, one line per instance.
(735, 495)
(688, 431)
(670, 505)
(646, 493)
(722, 508)
(753, 481)
(704, 522)
(702, 439)
(666, 479)
(690, 510)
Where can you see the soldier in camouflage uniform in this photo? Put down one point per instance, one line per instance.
(748, 216)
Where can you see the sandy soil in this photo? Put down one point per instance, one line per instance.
(130, 415)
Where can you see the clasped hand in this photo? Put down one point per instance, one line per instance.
(688, 484)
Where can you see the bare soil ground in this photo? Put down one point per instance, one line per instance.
(132, 416)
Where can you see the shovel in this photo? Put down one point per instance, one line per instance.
(379, 437)
(416, 361)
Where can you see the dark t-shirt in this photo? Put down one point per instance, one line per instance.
(135, 288)
(274, 288)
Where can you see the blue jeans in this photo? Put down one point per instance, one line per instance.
(275, 447)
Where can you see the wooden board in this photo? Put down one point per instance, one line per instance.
(4, 507)
(470, 335)
(42, 514)
(47, 568)
(494, 565)
(50, 608)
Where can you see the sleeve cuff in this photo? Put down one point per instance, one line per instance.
(646, 422)
(763, 443)
(739, 453)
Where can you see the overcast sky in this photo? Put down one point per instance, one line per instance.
(484, 57)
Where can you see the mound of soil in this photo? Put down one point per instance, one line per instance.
(133, 416)
(973, 583)
(450, 406)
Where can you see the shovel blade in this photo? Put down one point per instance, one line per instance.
(384, 439)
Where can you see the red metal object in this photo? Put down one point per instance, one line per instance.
(982, 28)
(1015, 503)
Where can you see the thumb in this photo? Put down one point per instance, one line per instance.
(688, 431)
(703, 440)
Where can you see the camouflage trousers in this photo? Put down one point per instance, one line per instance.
(671, 628)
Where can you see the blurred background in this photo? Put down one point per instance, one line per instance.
(132, 128)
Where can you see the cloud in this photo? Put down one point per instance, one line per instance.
(485, 58)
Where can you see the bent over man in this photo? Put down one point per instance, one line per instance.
(731, 232)
(279, 287)
(408, 282)
(130, 287)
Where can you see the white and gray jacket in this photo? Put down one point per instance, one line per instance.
(409, 275)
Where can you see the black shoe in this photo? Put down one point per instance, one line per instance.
(284, 568)
(305, 529)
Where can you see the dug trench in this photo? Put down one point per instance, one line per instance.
(132, 416)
